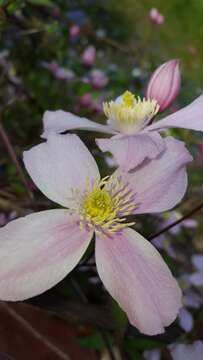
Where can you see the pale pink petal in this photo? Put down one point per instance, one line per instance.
(192, 299)
(59, 165)
(38, 251)
(134, 273)
(161, 183)
(186, 320)
(197, 261)
(154, 354)
(59, 121)
(196, 279)
(190, 117)
(187, 351)
(130, 151)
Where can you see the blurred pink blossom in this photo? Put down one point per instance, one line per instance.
(192, 50)
(164, 84)
(185, 320)
(154, 354)
(59, 72)
(192, 299)
(74, 31)
(196, 278)
(86, 100)
(56, 12)
(98, 79)
(89, 55)
(156, 17)
(187, 351)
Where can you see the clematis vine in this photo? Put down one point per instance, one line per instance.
(40, 249)
(130, 121)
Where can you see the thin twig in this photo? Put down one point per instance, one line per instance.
(190, 213)
(84, 299)
(9, 205)
(28, 327)
(14, 158)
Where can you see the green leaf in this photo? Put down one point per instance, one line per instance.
(141, 344)
(92, 342)
(121, 322)
(47, 3)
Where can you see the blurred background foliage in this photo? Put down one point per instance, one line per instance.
(43, 66)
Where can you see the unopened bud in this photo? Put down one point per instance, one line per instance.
(89, 55)
(164, 84)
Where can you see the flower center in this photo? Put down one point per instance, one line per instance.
(129, 114)
(128, 99)
(98, 205)
(103, 206)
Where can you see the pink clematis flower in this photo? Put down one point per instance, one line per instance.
(89, 55)
(156, 17)
(187, 351)
(134, 138)
(39, 250)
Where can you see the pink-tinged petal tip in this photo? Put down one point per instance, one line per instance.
(161, 183)
(58, 166)
(37, 251)
(130, 151)
(164, 84)
(135, 275)
(60, 121)
(189, 117)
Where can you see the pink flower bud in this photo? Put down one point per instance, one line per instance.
(192, 50)
(156, 17)
(89, 55)
(74, 31)
(98, 79)
(164, 84)
(86, 100)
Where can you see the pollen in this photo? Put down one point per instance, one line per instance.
(128, 99)
(129, 113)
(104, 206)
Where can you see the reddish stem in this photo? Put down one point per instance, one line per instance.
(14, 158)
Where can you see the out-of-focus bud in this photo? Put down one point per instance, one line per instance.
(74, 31)
(98, 79)
(56, 12)
(164, 84)
(156, 17)
(59, 72)
(89, 55)
(192, 50)
(86, 100)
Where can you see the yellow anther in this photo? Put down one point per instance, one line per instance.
(130, 113)
(104, 206)
(128, 99)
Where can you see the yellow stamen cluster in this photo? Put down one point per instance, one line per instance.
(130, 110)
(103, 206)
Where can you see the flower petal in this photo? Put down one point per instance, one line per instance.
(197, 261)
(61, 164)
(134, 273)
(187, 352)
(60, 121)
(186, 320)
(190, 117)
(196, 278)
(161, 183)
(37, 251)
(154, 354)
(130, 151)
